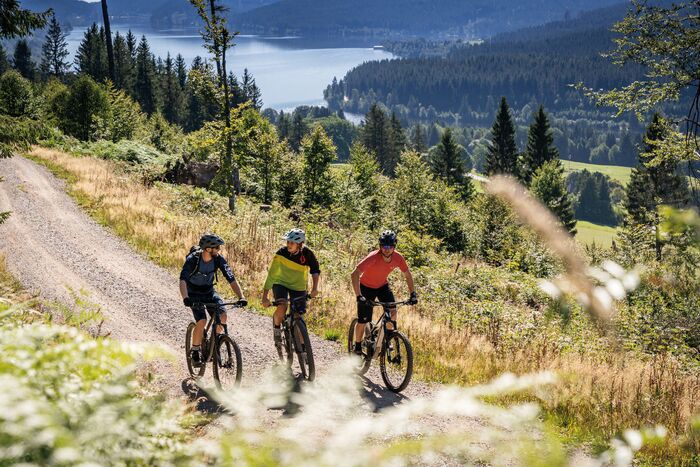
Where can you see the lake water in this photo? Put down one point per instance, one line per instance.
(289, 71)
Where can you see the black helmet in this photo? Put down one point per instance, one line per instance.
(387, 238)
(210, 241)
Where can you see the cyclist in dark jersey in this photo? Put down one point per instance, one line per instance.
(369, 280)
(288, 277)
(197, 279)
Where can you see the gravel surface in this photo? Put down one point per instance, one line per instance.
(51, 246)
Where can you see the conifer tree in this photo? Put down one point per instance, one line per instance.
(144, 88)
(502, 155)
(91, 58)
(447, 164)
(540, 147)
(318, 152)
(549, 187)
(418, 142)
(173, 103)
(251, 91)
(123, 65)
(181, 70)
(397, 144)
(54, 51)
(652, 185)
(22, 60)
(376, 137)
(298, 131)
(4, 63)
(131, 44)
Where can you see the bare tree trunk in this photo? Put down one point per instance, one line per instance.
(108, 37)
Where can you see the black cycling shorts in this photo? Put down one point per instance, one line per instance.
(280, 291)
(364, 311)
(199, 311)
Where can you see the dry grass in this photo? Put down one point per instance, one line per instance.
(599, 392)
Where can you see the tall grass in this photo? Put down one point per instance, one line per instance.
(474, 322)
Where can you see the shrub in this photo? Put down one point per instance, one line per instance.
(16, 95)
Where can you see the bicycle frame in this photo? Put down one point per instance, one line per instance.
(214, 322)
(383, 319)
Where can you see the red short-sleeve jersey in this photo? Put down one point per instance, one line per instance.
(375, 270)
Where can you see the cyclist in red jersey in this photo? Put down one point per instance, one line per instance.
(369, 280)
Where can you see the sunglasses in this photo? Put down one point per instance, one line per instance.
(388, 247)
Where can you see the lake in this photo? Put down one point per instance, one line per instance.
(289, 71)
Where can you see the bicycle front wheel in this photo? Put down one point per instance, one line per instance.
(228, 365)
(195, 371)
(366, 360)
(396, 361)
(305, 355)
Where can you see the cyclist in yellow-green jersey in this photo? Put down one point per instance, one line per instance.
(288, 277)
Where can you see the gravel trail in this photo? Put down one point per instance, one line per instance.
(52, 246)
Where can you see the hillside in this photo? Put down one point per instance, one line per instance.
(479, 18)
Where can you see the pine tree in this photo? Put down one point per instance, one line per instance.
(4, 63)
(91, 58)
(418, 141)
(284, 126)
(237, 95)
(376, 137)
(250, 90)
(549, 187)
(181, 70)
(22, 60)
(502, 153)
(397, 144)
(653, 185)
(318, 152)
(448, 165)
(123, 64)
(173, 102)
(54, 51)
(144, 88)
(131, 44)
(540, 147)
(298, 131)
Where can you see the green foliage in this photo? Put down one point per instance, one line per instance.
(540, 147)
(144, 85)
(502, 157)
(318, 152)
(17, 134)
(447, 161)
(290, 180)
(16, 95)
(549, 187)
(22, 60)
(203, 98)
(78, 107)
(91, 57)
(54, 51)
(593, 199)
(16, 21)
(122, 118)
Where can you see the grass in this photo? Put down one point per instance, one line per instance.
(615, 172)
(589, 232)
(469, 327)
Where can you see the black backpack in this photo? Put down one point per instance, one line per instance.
(197, 251)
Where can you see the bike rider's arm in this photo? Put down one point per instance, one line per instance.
(228, 274)
(314, 284)
(409, 281)
(355, 278)
(183, 289)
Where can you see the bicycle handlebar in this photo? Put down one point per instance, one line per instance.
(280, 301)
(389, 304)
(231, 304)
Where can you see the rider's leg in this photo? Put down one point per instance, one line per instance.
(220, 328)
(386, 295)
(198, 332)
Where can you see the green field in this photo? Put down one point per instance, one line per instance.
(616, 172)
(589, 232)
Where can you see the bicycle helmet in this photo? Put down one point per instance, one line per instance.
(295, 235)
(210, 241)
(387, 238)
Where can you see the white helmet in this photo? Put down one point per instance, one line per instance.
(295, 235)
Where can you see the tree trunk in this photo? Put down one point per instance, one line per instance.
(108, 37)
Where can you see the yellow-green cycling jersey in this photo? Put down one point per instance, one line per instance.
(292, 270)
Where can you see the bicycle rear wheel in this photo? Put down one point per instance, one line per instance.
(302, 345)
(365, 360)
(396, 361)
(227, 363)
(195, 372)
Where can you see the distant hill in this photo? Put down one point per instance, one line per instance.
(475, 18)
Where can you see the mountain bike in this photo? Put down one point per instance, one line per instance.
(219, 349)
(295, 339)
(389, 345)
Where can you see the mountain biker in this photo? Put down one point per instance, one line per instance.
(197, 280)
(369, 280)
(288, 279)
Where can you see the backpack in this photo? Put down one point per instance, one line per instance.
(197, 251)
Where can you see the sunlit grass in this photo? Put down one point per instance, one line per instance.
(588, 233)
(615, 172)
